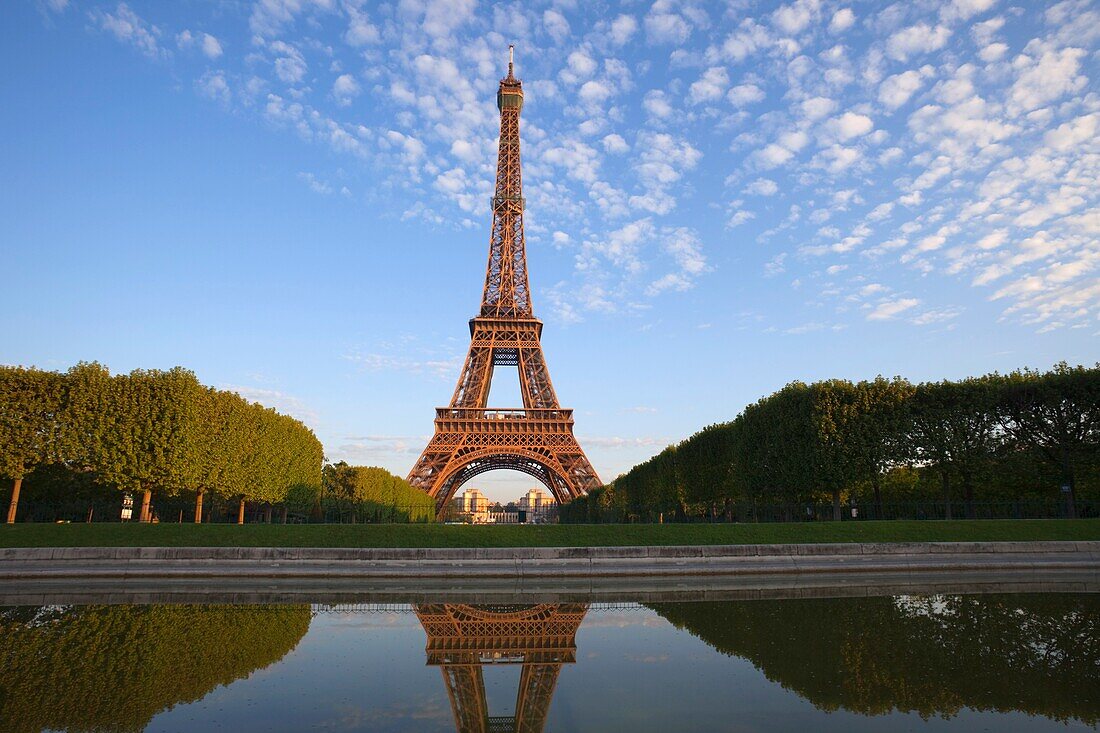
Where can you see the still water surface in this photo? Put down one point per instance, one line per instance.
(944, 662)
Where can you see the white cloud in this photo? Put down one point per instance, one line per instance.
(662, 25)
(771, 156)
(211, 47)
(213, 85)
(579, 160)
(897, 89)
(743, 95)
(686, 251)
(837, 158)
(748, 39)
(936, 315)
(1045, 74)
(290, 65)
(592, 92)
(775, 266)
(615, 144)
(849, 125)
(452, 181)
(556, 25)
(656, 104)
(664, 158)
(709, 86)
(984, 32)
(623, 29)
(762, 187)
(438, 19)
(126, 26)
(890, 308)
(993, 239)
(581, 66)
(842, 20)
(269, 17)
(817, 107)
(795, 17)
(1073, 133)
(794, 140)
(956, 10)
(345, 88)
(740, 217)
(361, 31)
(315, 184)
(916, 39)
(993, 52)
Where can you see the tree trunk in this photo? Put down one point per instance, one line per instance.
(146, 497)
(198, 508)
(267, 514)
(836, 505)
(876, 484)
(1067, 480)
(945, 479)
(240, 512)
(14, 505)
(284, 515)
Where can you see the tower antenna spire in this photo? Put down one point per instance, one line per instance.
(511, 59)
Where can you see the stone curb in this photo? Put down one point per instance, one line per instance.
(391, 563)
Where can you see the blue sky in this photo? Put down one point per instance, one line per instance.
(290, 197)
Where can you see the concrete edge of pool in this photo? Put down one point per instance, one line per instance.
(543, 562)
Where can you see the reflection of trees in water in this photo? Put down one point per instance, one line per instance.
(933, 655)
(112, 668)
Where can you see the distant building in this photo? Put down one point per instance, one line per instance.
(538, 506)
(473, 504)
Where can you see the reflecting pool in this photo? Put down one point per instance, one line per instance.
(1022, 662)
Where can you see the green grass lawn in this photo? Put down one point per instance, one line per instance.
(567, 535)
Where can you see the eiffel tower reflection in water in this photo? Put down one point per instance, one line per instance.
(463, 639)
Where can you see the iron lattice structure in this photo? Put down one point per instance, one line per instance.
(463, 638)
(471, 438)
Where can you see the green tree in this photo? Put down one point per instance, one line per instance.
(953, 428)
(374, 493)
(1057, 414)
(31, 402)
(150, 439)
(879, 440)
(704, 462)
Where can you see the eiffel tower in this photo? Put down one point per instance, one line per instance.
(471, 438)
(463, 638)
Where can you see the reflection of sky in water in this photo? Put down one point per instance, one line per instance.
(635, 673)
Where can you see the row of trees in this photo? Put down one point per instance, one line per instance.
(1026, 433)
(114, 668)
(370, 493)
(932, 655)
(152, 431)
